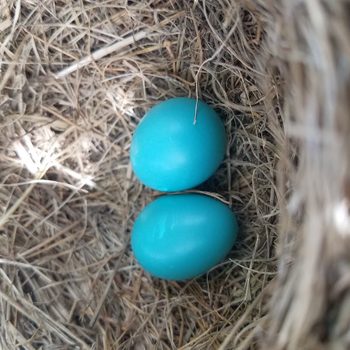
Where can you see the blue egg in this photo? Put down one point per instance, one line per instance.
(181, 236)
(169, 152)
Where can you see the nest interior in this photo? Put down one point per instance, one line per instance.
(76, 77)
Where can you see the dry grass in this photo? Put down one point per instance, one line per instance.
(68, 196)
(75, 79)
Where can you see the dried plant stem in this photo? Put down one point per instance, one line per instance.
(102, 52)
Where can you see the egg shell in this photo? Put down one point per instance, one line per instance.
(181, 236)
(169, 152)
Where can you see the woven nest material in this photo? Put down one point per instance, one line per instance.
(76, 77)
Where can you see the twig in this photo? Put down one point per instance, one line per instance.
(102, 52)
(61, 330)
(4, 218)
(241, 321)
(7, 215)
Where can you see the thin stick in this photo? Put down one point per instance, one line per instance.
(102, 52)
(20, 200)
(23, 342)
(7, 215)
(238, 324)
(61, 331)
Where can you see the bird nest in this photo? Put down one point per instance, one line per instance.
(76, 77)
